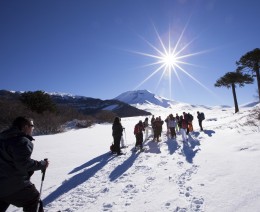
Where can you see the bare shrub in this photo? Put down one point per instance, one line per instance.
(83, 123)
(254, 117)
(105, 116)
(46, 122)
(255, 114)
(258, 113)
(9, 110)
(49, 122)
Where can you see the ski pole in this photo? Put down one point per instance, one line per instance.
(43, 176)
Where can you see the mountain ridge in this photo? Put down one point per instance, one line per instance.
(86, 105)
(144, 97)
(137, 98)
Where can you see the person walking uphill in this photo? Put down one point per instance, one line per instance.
(183, 128)
(16, 167)
(172, 125)
(138, 131)
(117, 134)
(200, 117)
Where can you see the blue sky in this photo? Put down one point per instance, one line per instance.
(95, 48)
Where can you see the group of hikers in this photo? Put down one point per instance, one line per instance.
(17, 166)
(175, 125)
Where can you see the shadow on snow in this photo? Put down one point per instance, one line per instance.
(120, 169)
(173, 146)
(79, 178)
(153, 147)
(207, 132)
(189, 149)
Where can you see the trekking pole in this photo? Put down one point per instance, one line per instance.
(43, 176)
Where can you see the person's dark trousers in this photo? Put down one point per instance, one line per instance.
(188, 130)
(139, 140)
(3, 206)
(173, 133)
(117, 144)
(200, 124)
(27, 198)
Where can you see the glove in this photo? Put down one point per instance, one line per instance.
(44, 164)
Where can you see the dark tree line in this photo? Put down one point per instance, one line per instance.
(38, 101)
(49, 118)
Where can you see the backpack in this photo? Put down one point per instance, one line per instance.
(190, 118)
(202, 116)
(184, 124)
(138, 129)
(112, 148)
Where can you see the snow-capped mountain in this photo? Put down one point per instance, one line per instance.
(147, 101)
(144, 97)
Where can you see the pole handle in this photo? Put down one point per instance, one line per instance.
(43, 171)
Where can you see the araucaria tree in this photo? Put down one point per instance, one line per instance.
(250, 63)
(230, 79)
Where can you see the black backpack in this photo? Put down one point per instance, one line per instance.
(202, 116)
(112, 148)
(190, 118)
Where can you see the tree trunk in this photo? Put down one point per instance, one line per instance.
(235, 97)
(258, 79)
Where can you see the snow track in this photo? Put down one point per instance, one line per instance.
(113, 178)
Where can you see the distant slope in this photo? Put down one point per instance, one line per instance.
(145, 100)
(250, 104)
(144, 97)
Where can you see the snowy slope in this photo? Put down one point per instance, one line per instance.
(145, 100)
(216, 170)
(140, 97)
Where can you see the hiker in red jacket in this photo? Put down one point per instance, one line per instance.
(138, 131)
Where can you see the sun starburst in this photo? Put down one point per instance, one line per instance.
(170, 59)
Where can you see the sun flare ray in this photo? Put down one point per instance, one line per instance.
(171, 59)
(147, 78)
